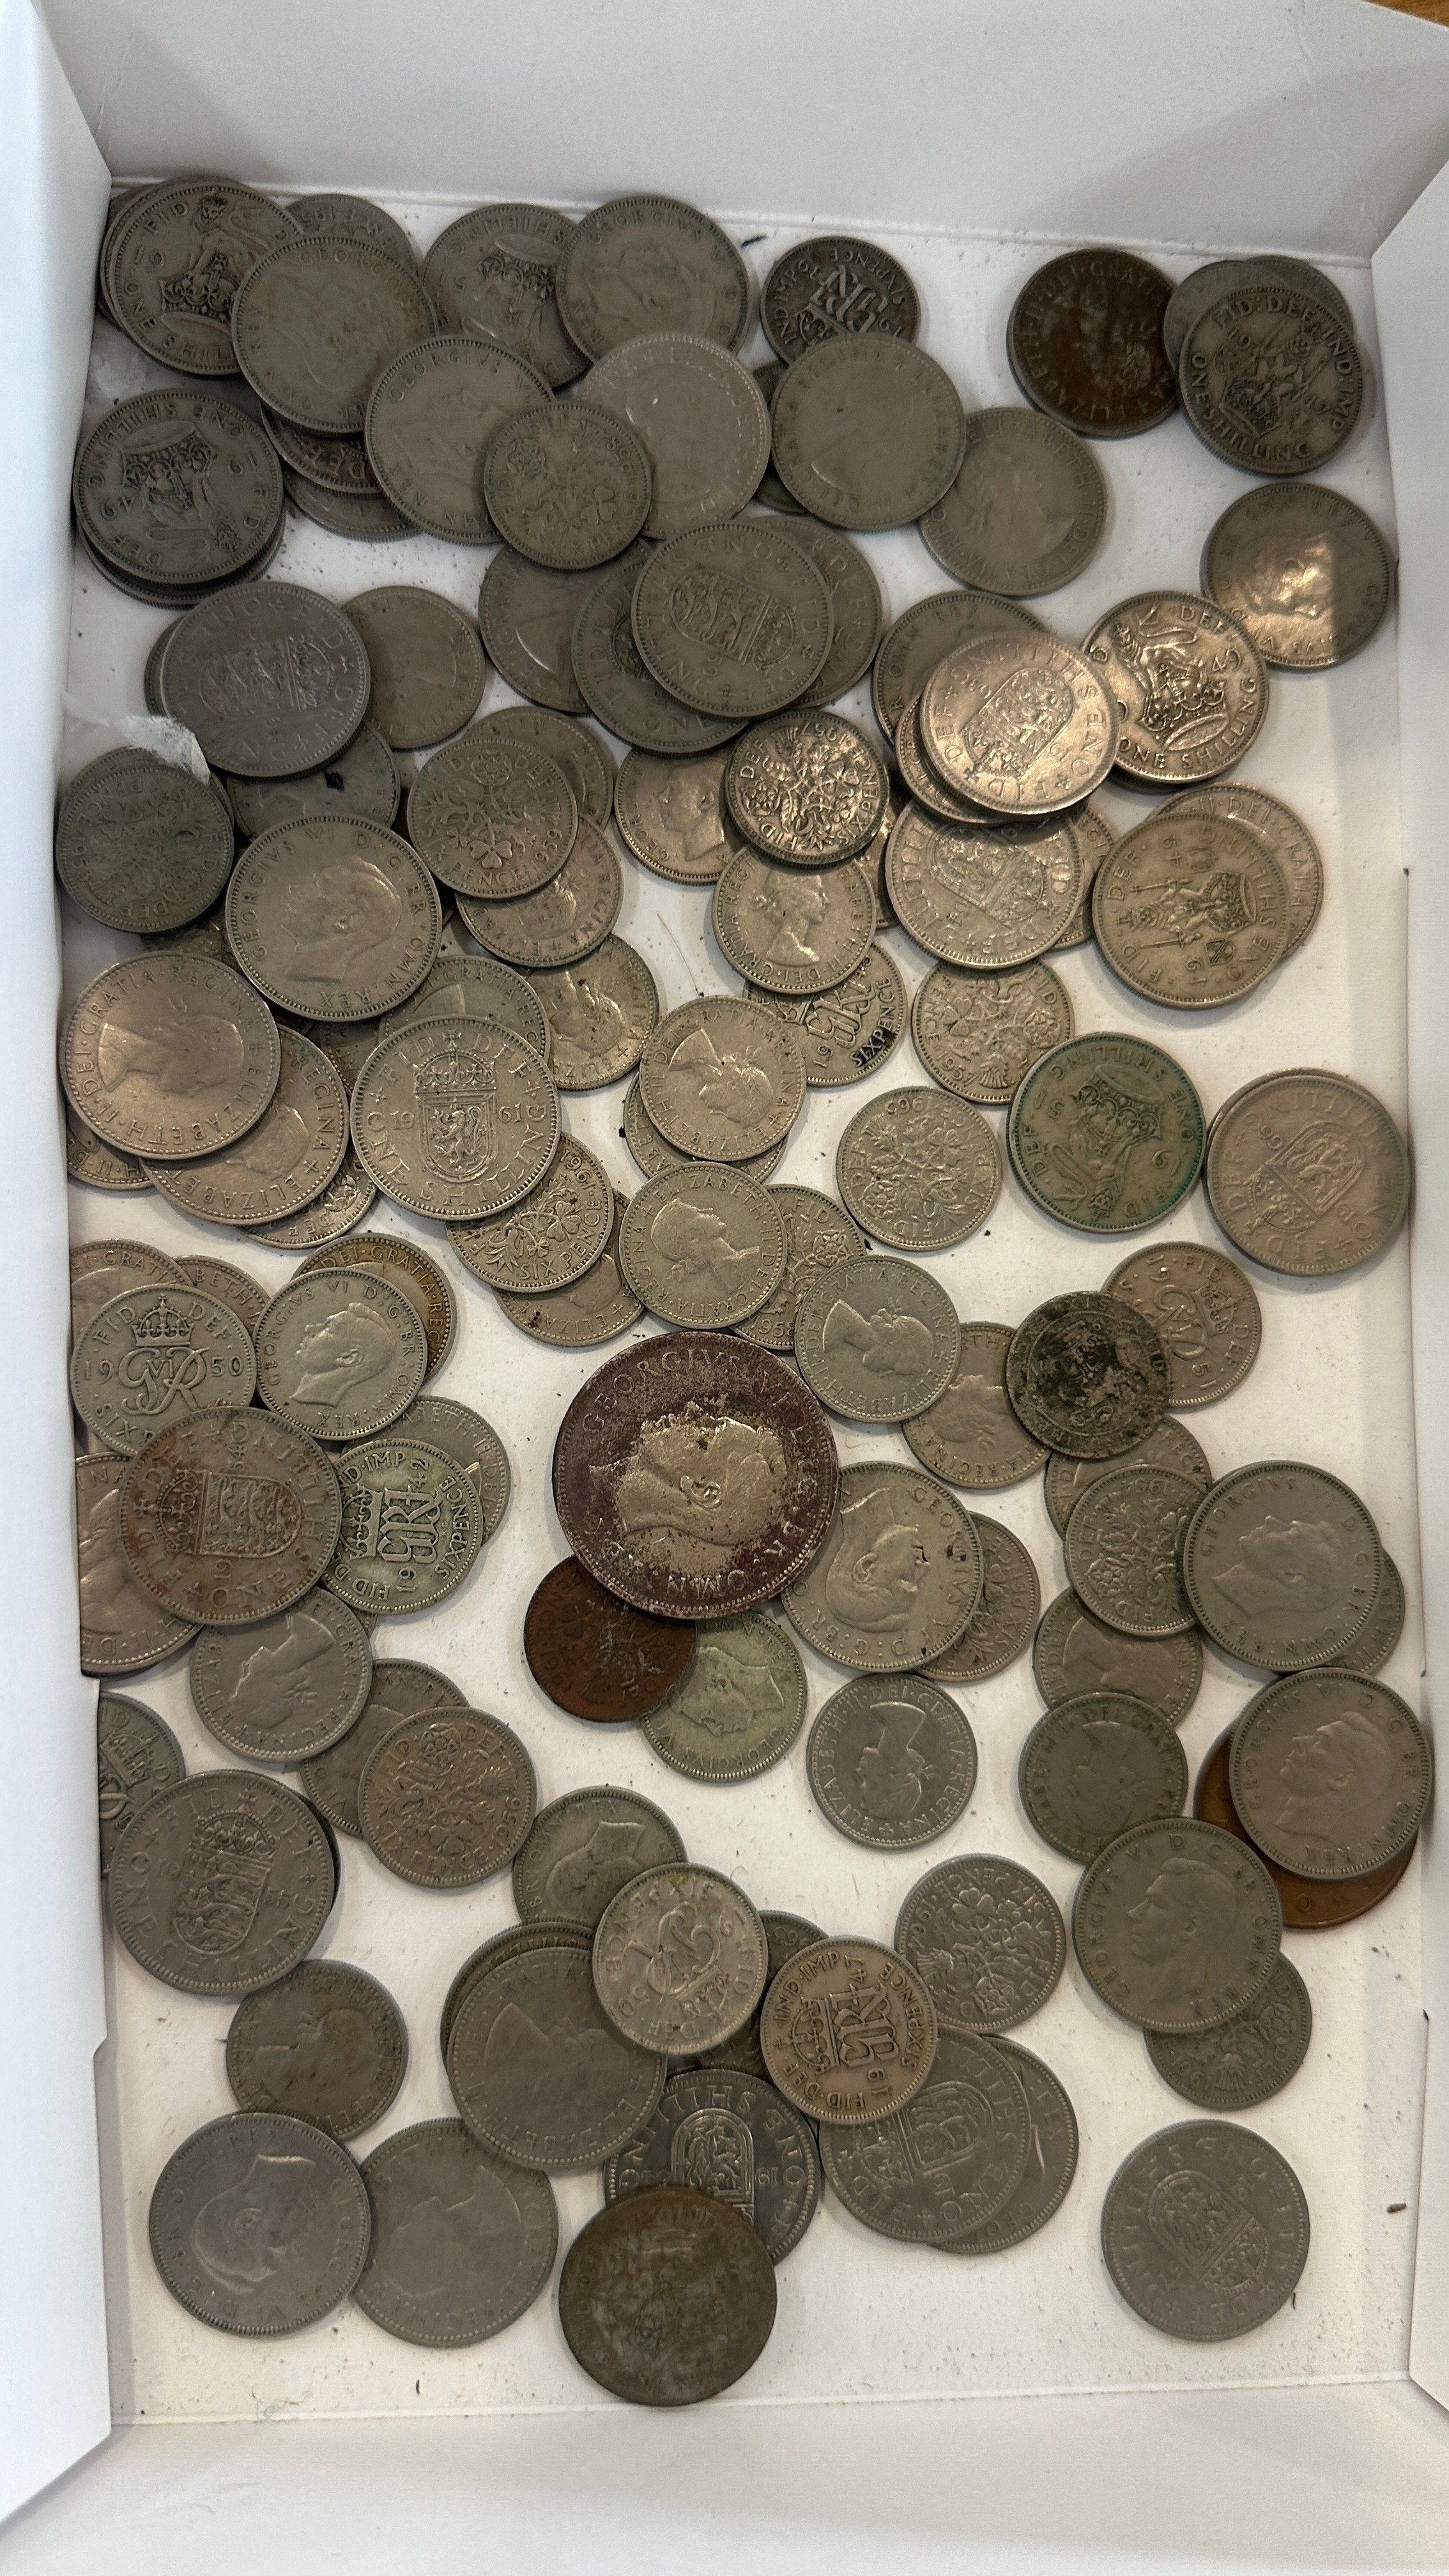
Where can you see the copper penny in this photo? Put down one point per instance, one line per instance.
(598, 1657)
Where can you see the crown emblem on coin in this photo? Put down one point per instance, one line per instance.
(162, 1327)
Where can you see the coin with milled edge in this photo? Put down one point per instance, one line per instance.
(1191, 910)
(1177, 1925)
(316, 321)
(1085, 342)
(679, 1959)
(1107, 1133)
(1094, 837)
(1284, 835)
(1050, 2165)
(667, 2297)
(338, 465)
(857, 609)
(739, 1706)
(98, 1166)
(293, 1153)
(1168, 1444)
(1307, 1173)
(1122, 1548)
(703, 1247)
(1282, 1565)
(515, 1943)
(455, 1118)
(366, 515)
(979, 1034)
(140, 844)
(428, 670)
(222, 1884)
(154, 1355)
(891, 1763)
(584, 1849)
(326, 2044)
(748, 660)
(695, 1476)
(229, 1517)
(1074, 1654)
(986, 894)
(493, 819)
(600, 1658)
(396, 1690)
(333, 917)
(785, 1934)
(877, 1339)
(1241, 2062)
(462, 2241)
(1203, 1310)
(594, 1309)
(1000, 1627)
(446, 1798)
(470, 1442)
(700, 418)
(271, 678)
(818, 1236)
(1027, 510)
(169, 1054)
(259, 2224)
(567, 484)
(897, 1578)
(1205, 2231)
(174, 257)
(1093, 1766)
(924, 633)
(1022, 724)
(988, 1940)
(791, 930)
(950, 2161)
(491, 271)
(654, 1154)
(1309, 1904)
(137, 1756)
(867, 432)
(549, 1238)
(101, 1271)
(539, 2072)
(736, 2138)
(340, 1354)
(568, 919)
(1087, 1375)
(834, 286)
(122, 1629)
(1271, 380)
(1330, 1773)
(722, 1079)
(1303, 570)
(177, 488)
(285, 1689)
(527, 615)
(918, 1169)
(412, 1526)
(1205, 286)
(650, 263)
(673, 815)
(807, 788)
(614, 682)
(407, 1268)
(476, 988)
(843, 1034)
(971, 1434)
(600, 1013)
(848, 2032)
(921, 779)
(1189, 689)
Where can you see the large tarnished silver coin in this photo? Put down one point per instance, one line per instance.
(288, 1687)
(680, 1959)
(1282, 1564)
(229, 1517)
(895, 1579)
(1205, 2231)
(462, 2241)
(918, 1169)
(876, 1338)
(950, 2161)
(1241, 2062)
(1276, 1210)
(1093, 1766)
(848, 2032)
(1330, 1772)
(538, 2070)
(259, 2223)
(447, 1797)
(987, 1938)
(1107, 1133)
(1177, 1925)
(583, 1849)
(667, 2297)
(1246, 404)
(733, 2137)
(892, 1763)
(455, 1118)
(1087, 1375)
(739, 1707)
(170, 1055)
(222, 1884)
(326, 2044)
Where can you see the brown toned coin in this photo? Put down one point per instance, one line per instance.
(432, 417)
(1168, 1444)
(412, 1527)
(1087, 1375)
(1203, 1310)
(221, 1884)
(1189, 688)
(415, 1275)
(1093, 1766)
(333, 917)
(539, 2072)
(593, 1309)
(722, 1080)
(548, 1239)
(462, 2241)
(984, 895)
(492, 818)
(564, 921)
(169, 1054)
(891, 1763)
(491, 272)
(818, 1236)
(735, 2138)
(1282, 1565)
(699, 417)
(316, 321)
(897, 1578)
(396, 1690)
(971, 1434)
(1307, 1173)
(286, 1688)
(615, 684)
(1074, 1653)
(271, 678)
(222, 1279)
(326, 2044)
(1085, 342)
(1303, 570)
(1022, 724)
(1330, 1773)
(807, 788)
(650, 263)
(340, 1354)
(428, 671)
(831, 286)
(694, 1475)
(446, 1797)
(848, 2032)
(927, 2174)
(598, 1657)
(140, 844)
(843, 1034)
(259, 2224)
(470, 1442)
(668, 2297)
(987, 1938)
(283, 1164)
(137, 1756)
(1309, 1904)
(1001, 1625)
(980, 1034)
(1176, 1926)
(122, 1628)
(680, 1958)
(745, 661)
(583, 1850)
(455, 1118)
(1027, 510)
(867, 432)
(154, 1355)
(527, 614)
(229, 1517)
(924, 633)
(673, 815)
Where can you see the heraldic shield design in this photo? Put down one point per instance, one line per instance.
(457, 1099)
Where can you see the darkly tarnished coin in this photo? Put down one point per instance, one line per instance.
(984, 895)
(892, 1763)
(599, 1657)
(1085, 342)
(447, 1797)
(1168, 1444)
(1107, 1133)
(122, 1628)
(1241, 2062)
(333, 917)
(867, 431)
(615, 684)
(789, 930)
(340, 1354)
(972, 1435)
(1205, 2231)
(137, 1756)
(1303, 570)
(722, 1079)
(818, 1236)
(259, 2223)
(140, 844)
(987, 1938)
(1309, 1904)
(462, 2242)
(700, 418)
(568, 919)
(101, 1271)
(1177, 1925)
(455, 1118)
(396, 1690)
(1000, 1627)
(402, 1266)
(739, 1706)
(98, 1165)
(848, 2032)
(1028, 507)
(229, 1517)
(834, 286)
(1191, 910)
(1283, 833)
(586, 763)
(1051, 2161)
(169, 1054)
(647, 263)
(411, 1530)
(1203, 1311)
(680, 1959)
(924, 634)
(285, 1689)
(843, 1034)
(1330, 1773)
(1087, 1374)
(427, 665)
(283, 1164)
(1271, 380)
(593, 1309)
(539, 2072)
(735, 2138)
(950, 2161)
(327, 2044)
(1377, 1639)
(1093, 1766)
(667, 2297)
(980, 1034)
(703, 1247)
(583, 1849)
(492, 818)
(695, 1476)
(600, 1012)
(221, 1884)
(175, 257)
(318, 319)
(154, 1355)
(654, 1154)
(1307, 1173)
(1022, 724)
(1075, 1653)
(492, 271)
(1282, 1565)
(567, 484)
(549, 1238)
(1189, 688)
(470, 1442)
(272, 679)
(918, 1169)
(528, 614)
(673, 815)
(1122, 1549)
(897, 1577)
(807, 788)
(876, 1339)
(733, 619)
(361, 779)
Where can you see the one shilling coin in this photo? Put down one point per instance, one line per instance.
(743, 664)
(316, 321)
(1242, 401)
(447, 2287)
(1107, 1133)
(137, 1756)
(1239, 2256)
(1189, 688)
(733, 2137)
(122, 1628)
(229, 1517)
(455, 1118)
(407, 1268)
(867, 431)
(1307, 1173)
(1284, 834)
(1330, 1773)
(1093, 1766)
(1051, 2161)
(1303, 570)
(1023, 724)
(1191, 910)
(427, 665)
(926, 2176)
(222, 1884)
(897, 1578)
(285, 1689)
(1282, 1565)
(333, 918)
(984, 895)
(259, 2224)
(1177, 1925)
(170, 1054)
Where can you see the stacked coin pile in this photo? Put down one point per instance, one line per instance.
(351, 987)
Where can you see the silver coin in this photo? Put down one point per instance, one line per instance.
(283, 1164)
(1205, 2231)
(559, 923)
(446, 1797)
(259, 2224)
(478, 988)
(583, 1849)
(703, 1246)
(140, 844)
(1203, 1311)
(843, 1034)
(527, 615)
(1177, 1925)
(1285, 835)
(471, 1443)
(1074, 1653)
(1190, 909)
(1380, 1634)
(1244, 2061)
(680, 1959)
(722, 1079)
(1330, 1773)
(700, 417)
(741, 2140)
(897, 1576)
(596, 1308)
(818, 1235)
(412, 1526)
(1173, 731)
(152, 1356)
(1050, 2164)
(673, 815)
(739, 1707)
(1122, 1548)
(1303, 570)
(988, 1939)
(340, 1354)
(971, 1434)
(122, 1629)
(491, 818)
(1169, 1444)
(1282, 1564)
(492, 271)
(600, 1013)
(979, 1034)
(326, 2044)
(427, 665)
(654, 1154)
(918, 639)
(1000, 1628)
(462, 2241)
(539, 2072)
(789, 929)
(454, 1118)
(919, 1169)
(876, 1339)
(892, 1764)
(170, 1054)
(362, 779)
(586, 764)
(1237, 397)
(1093, 1766)
(397, 1689)
(231, 668)
(137, 1756)
(317, 371)
(333, 917)
(415, 1275)
(286, 1689)
(1027, 510)
(927, 2175)
(550, 1238)
(984, 895)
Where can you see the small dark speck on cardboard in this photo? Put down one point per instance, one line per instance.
(1395, 2206)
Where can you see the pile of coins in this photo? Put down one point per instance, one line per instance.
(350, 985)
